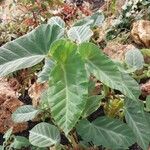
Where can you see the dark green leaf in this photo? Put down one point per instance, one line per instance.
(29, 49)
(105, 70)
(111, 133)
(68, 85)
(136, 119)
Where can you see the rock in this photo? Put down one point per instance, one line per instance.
(8, 104)
(141, 32)
(145, 88)
(117, 51)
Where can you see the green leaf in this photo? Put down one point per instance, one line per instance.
(137, 121)
(68, 85)
(92, 104)
(25, 113)
(134, 59)
(43, 76)
(20, 142)
(148, 103)
(80, 34)
(56, 21)
(111, 133)
(44, 135)
(29, 49)
(96, 20)
(105, 70)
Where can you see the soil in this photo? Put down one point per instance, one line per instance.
(135, 147)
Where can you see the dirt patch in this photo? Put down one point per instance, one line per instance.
(8, 104)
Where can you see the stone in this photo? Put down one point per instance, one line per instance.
(141, 32)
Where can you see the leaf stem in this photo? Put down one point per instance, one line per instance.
(105, 90)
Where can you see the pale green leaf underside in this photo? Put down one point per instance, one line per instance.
(107, 71)
(80, 34)
(137, 121)
(134, 58)
(67, 87)
(27, 50)
(111, 133)
(56, 21)
(25, 113)
(44, 135)
(96, 20)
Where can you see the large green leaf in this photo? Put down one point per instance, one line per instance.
(80, 34)
(44, 135)
(29, 49)
(111, 133)
(137, 120)
(25, 113)
(107, 71)
(68, 85)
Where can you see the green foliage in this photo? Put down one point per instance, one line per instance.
(118, 134)
(92, 104)
(20, 142)
(147, 103)
(43, 76)
(67, 85)
(57, 21)
(44, 135)
(14, 142)
(107, 71)
(134, 59)
(69, 64)
(96, 20)
(25, 113)
(28, 50)
(80, 34)
(137, 121)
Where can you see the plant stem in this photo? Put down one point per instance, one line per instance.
(73, 142)
(105, 90)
